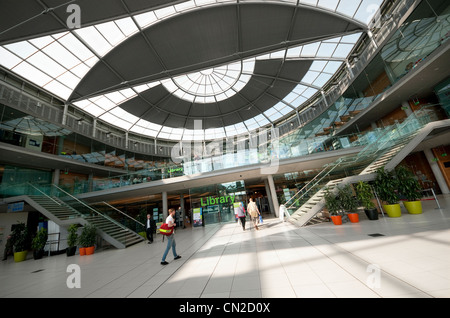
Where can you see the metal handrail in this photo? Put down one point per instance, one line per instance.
(92, 209)
(114, 208)
(45, 194)
(379, 145)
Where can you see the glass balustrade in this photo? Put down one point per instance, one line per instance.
(83, 209)
(352, 165)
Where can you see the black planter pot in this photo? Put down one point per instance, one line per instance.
(70, 251)
(38, 254)
(372, 214)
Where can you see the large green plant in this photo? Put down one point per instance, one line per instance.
(408, 185)
(88, 236)
(365, 195)
(19, 237)
(346, 200)
(331, 203)
(38, 242)
(72, 238)
(386, 186)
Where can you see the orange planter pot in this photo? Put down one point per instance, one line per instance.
(353, 217)
(82, 251)
(90, 250)
(337, 219)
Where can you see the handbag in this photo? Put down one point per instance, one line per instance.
(166, 230)
(260, 219)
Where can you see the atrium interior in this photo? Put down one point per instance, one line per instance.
(114, 110)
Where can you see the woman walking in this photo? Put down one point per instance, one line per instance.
(240, 212)
(254, 212)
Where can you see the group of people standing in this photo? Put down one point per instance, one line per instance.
(252, 210)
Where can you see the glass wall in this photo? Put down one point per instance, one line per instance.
(14, 179)
(215, 203)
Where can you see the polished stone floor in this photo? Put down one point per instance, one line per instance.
(406, 257)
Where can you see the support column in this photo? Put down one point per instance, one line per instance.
(94, 127)
(349, 68)
(183, 213)
(269, 197)
(273, 193)
(56, 174)
(90, 182)
(374, 125)
(436, 171)
(64, 118)
(407, 108)
(164, 204)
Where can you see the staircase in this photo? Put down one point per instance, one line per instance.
(63, 213)
(387, 152)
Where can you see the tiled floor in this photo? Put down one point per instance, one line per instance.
(410, 259)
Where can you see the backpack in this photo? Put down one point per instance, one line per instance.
(165, 229)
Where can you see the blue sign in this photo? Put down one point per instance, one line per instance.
(15, 207)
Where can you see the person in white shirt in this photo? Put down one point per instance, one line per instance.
(170, 239)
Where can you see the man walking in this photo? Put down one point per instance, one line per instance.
(149, 228)
(170, 239)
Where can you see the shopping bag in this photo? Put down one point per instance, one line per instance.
(260, 219)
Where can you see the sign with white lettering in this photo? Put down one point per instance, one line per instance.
(15, 207)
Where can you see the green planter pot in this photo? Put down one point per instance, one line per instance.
(413, 207)
(20, 256)
(393, 210)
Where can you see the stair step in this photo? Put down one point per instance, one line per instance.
(62, 211)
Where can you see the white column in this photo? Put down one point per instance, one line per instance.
(273, 193)
(56, 174)
(269, 197)
(183, 214)
(437, 171)
(407, 108)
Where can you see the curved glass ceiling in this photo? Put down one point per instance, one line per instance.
(213, 84)
(58, 62)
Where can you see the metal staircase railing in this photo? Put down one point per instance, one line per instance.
(64, 209)
(112, 231)
(309, 200)
(346, 165)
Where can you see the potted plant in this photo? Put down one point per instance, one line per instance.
(19, 237)
(348, 203)
(386, 187)
(72, 240)
(38, 243)
(333, 207)
(409, 187)
(87, 239)
(365, 196)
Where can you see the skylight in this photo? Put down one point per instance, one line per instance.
(211, 85)
(58, 63)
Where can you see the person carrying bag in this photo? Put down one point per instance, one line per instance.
(254, 212)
